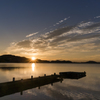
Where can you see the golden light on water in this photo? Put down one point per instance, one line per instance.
(33, 66)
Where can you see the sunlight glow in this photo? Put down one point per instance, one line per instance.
(33, 58)
(33, 66)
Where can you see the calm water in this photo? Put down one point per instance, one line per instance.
(87, 88)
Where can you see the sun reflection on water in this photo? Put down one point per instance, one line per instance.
(33, 66)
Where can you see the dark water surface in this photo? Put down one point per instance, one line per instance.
(87, 88)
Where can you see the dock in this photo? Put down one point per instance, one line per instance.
(16, 86)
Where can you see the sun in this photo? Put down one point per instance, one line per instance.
(33, 58)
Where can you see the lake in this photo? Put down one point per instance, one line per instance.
(86, 88)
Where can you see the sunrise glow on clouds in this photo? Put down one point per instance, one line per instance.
(51, 30)
(78, 39)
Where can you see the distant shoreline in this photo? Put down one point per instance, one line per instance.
(47, 63)
(18, 59)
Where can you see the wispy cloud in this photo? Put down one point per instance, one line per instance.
(32, 34)
(61, 21)
(82, 37)
(97, 17)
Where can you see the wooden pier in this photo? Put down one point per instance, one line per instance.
(15, 86)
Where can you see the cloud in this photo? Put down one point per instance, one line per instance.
(61, 21)
(24, 44)
(63, 40)
(97, 17)
(58, 32)
(85, 24)
(92, 26)
(32, 34)
(88, 30)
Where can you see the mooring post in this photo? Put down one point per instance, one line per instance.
(13, 79)
(44, 74)
(54, 73)
(31, 77)
(84, 73)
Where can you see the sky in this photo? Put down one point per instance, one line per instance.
(51, 29)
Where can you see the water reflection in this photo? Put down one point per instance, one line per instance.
(33, 66)
(10, 68)
(87, 88)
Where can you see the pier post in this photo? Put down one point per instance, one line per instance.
(44, 74)
(13, 79)
(84, 73)
(31, 77)
(54, 73)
